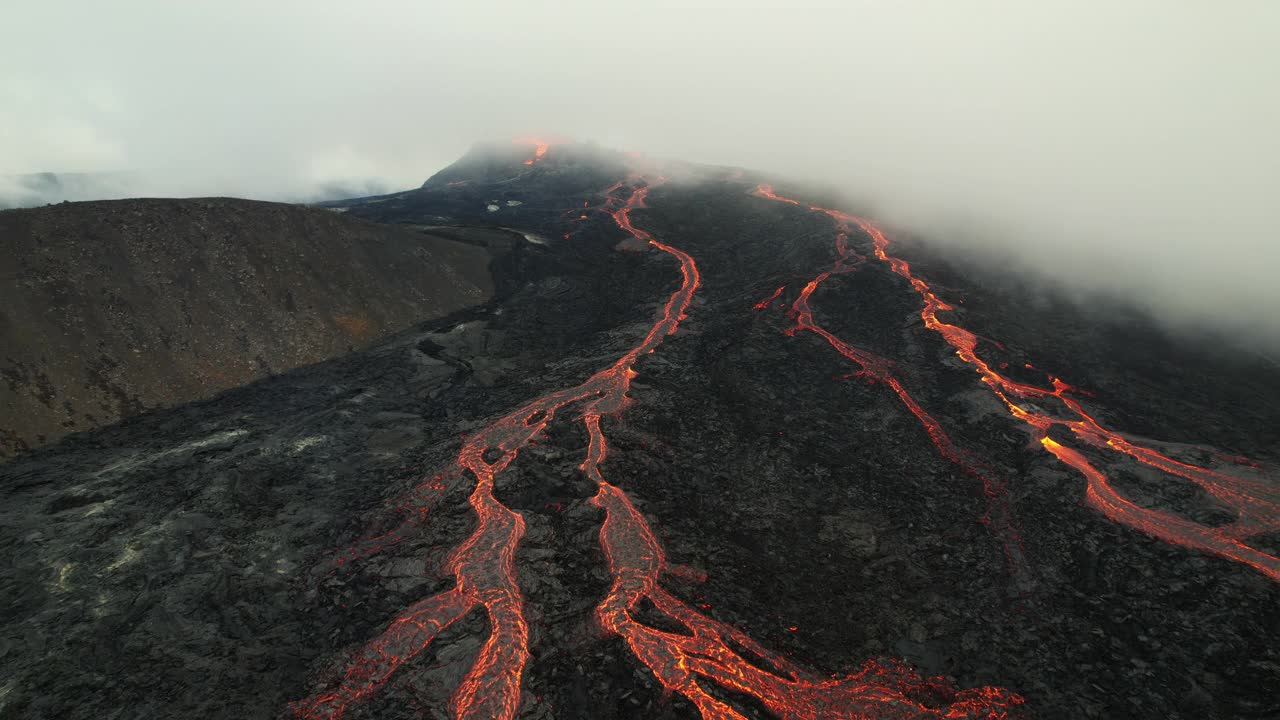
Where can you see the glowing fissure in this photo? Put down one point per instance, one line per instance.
(875, 368)
(1256, 504)
(539, 148)
(769, 300)
(484, 568)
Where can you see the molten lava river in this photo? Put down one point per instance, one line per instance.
(1255, 503)
(706, 654)
(540, 148)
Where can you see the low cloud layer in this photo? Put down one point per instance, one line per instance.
(1128, 147)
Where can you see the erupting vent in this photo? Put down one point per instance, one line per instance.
(539, 148)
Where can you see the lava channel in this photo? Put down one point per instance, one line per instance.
(998, 516)
(1256, 504)
(483, 567)
(539, 148)
(709, 650)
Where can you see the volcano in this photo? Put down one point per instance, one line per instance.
(717, 447)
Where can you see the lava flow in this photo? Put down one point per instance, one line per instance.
(484, 569)
(574, 217)
(718, 652)
(878, 369)
(539, 148)
(714, 651)
(1256, 504)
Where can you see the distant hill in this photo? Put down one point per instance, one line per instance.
(47, 188)
(36, 189)
(111, 308)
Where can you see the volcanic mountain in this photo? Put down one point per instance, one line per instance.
(717, 447)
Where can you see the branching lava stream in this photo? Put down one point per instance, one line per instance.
(878, 369)
(1256, 504)
(709, 651)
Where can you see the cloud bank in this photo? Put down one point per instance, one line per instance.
(1122, 146)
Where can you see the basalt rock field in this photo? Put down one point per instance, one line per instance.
(717, 447)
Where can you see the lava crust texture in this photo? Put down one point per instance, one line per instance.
(715, 449)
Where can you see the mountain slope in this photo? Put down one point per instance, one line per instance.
(111, 308)
(552, 505)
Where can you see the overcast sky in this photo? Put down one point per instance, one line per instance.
(1123, 145)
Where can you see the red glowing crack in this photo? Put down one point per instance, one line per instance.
(765, 303)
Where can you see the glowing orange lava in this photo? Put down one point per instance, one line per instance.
(878, 369)
(484, 568)
(765, 303)
(1256, 504)
(710, 650)
(484, 564)
(539, 148)
(714, 651)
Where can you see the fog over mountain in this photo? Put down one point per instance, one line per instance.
(1127, 147)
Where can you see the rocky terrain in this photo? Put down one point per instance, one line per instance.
(112, 308)
(230, 558)
(35, 189)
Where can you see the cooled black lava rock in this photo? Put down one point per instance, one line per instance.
(181, 563)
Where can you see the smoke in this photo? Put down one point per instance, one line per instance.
(1126, 148)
